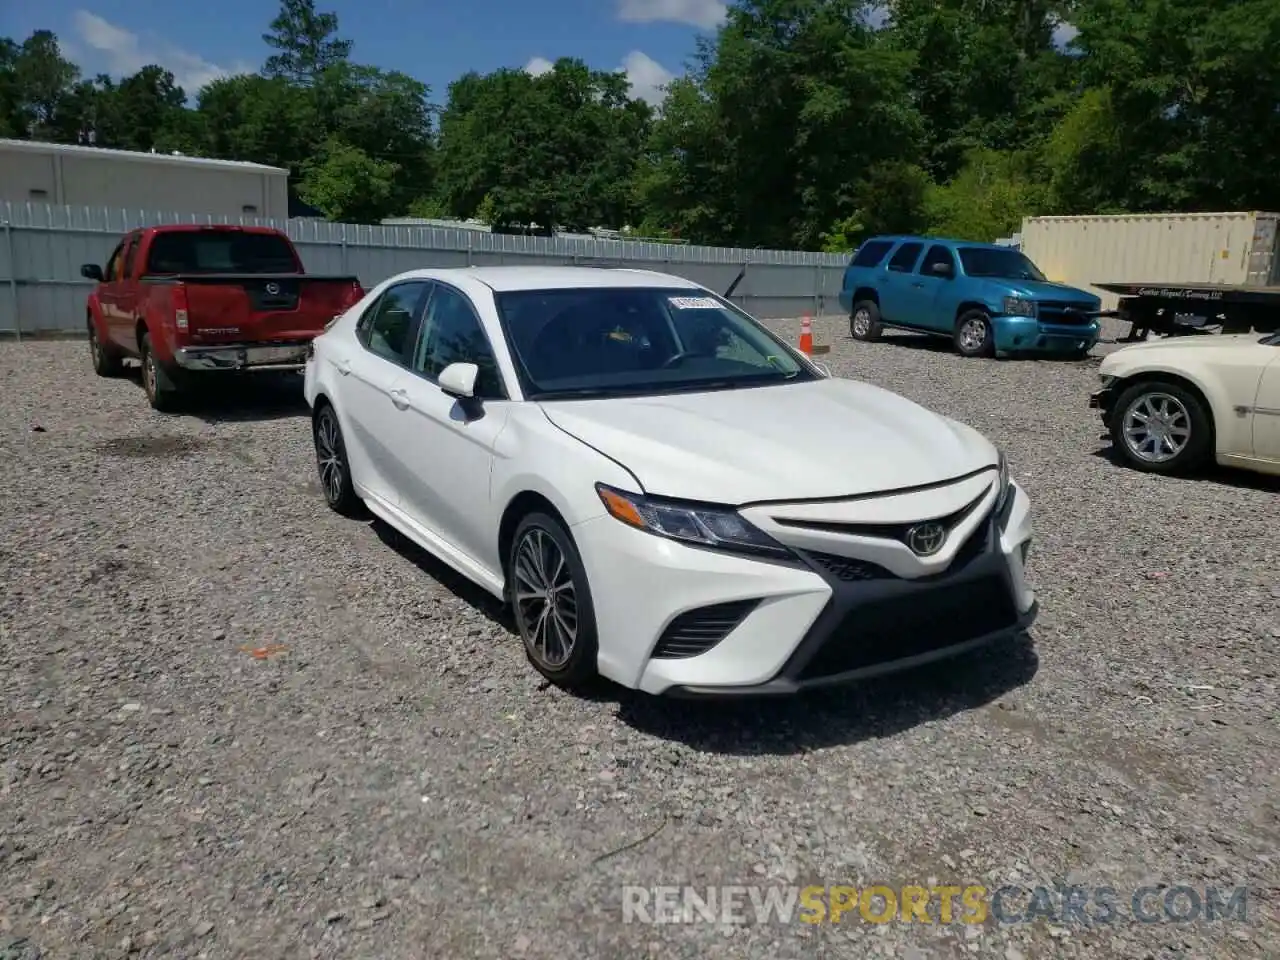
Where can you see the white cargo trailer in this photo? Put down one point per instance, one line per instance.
(1233, 249)
(66, 175)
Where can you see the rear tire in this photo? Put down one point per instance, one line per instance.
(332, 464)
(974, 336)
(551, 602)
(156, 381)
(864, 321)
(1160, 427)
(106, 361)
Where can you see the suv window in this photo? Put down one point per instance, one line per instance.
(937, 254)
(452, 333)
(871, 253)
(112, 273)
(390, 327)
(905, 258)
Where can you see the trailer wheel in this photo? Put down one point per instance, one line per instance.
(1161, 427)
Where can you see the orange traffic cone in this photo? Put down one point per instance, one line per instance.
(806, 337)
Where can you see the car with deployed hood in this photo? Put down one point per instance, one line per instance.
(665, 492)
(989, 300)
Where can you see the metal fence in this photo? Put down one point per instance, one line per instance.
(43, 247)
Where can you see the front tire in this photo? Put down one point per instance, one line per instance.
(974, 335)
(551, 602)
(106, 362)
(1163, 428)
(864, 321)
(332, 464)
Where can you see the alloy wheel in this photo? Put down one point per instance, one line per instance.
(546, 600)
(973, 333)
(329, 456)
(1156, 427)
(862, 322)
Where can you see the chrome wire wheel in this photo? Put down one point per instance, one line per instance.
(1156, 427)
(546, 599)
(329, 456)
(973, 333)
(862, 322)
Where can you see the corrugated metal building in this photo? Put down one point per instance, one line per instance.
(1231, 248)
(34, 172)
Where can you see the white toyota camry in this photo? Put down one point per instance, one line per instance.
(665, 493)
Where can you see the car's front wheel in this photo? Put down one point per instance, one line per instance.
(974, 336)
(551, 601)
(106, 362)
(1161, 427)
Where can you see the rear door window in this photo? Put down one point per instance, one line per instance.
(937, 254)
(905, 258)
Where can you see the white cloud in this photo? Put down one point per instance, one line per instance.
(104, 47)
(647, 77)
(706, 14)
(538, 66)
(1064, 33)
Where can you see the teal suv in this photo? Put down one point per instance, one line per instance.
(991, 301)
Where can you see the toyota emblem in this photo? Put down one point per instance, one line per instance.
(926, 539)
(273, 288)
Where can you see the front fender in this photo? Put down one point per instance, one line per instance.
(1230, 432)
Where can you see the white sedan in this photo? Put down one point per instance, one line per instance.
(1175, 404)
(664, 492)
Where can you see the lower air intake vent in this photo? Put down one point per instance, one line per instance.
(697, 631)
(849, 570)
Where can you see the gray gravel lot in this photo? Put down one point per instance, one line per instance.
(390, 780)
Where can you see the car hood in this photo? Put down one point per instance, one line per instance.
(825, 438)
(1198, 341)
(1047, 290)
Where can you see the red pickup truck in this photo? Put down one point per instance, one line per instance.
(188, 301)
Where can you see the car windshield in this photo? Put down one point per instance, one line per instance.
(1005, 264)
(629, 341)
(220, 251)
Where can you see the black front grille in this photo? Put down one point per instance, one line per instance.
(915, 623)
(887, 531)
(697, 631)
(850, 570)
(1063, 312)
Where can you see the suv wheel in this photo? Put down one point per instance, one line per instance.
(864, 321)
(974, 336)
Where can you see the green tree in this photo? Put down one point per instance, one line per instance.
(347, 184)
(306, 41)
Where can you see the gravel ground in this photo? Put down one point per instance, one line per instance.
(386, 778)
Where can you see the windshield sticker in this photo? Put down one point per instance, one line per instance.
(694, 303)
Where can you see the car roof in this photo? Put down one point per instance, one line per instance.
(509, 278)
(895, 238)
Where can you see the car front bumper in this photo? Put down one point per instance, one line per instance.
(1103, 400)
(807, 624)
(1029, 335)
(288, 355)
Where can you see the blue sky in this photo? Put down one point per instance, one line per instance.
(433, 40)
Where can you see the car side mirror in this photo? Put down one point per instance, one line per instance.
(941, 269)
(91, 271)
(459, 380)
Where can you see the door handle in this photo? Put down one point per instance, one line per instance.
(344, 367)
(400, 399)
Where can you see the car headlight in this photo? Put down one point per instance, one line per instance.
(706, 525)
(1018, 307)
(1004, 484)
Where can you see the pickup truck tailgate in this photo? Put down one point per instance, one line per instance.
(238, 308)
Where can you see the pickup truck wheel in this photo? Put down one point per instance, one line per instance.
(1160, 427)
(106, 362)
(864, 321)
(331, 462)
(155, 382)
(973, 336)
